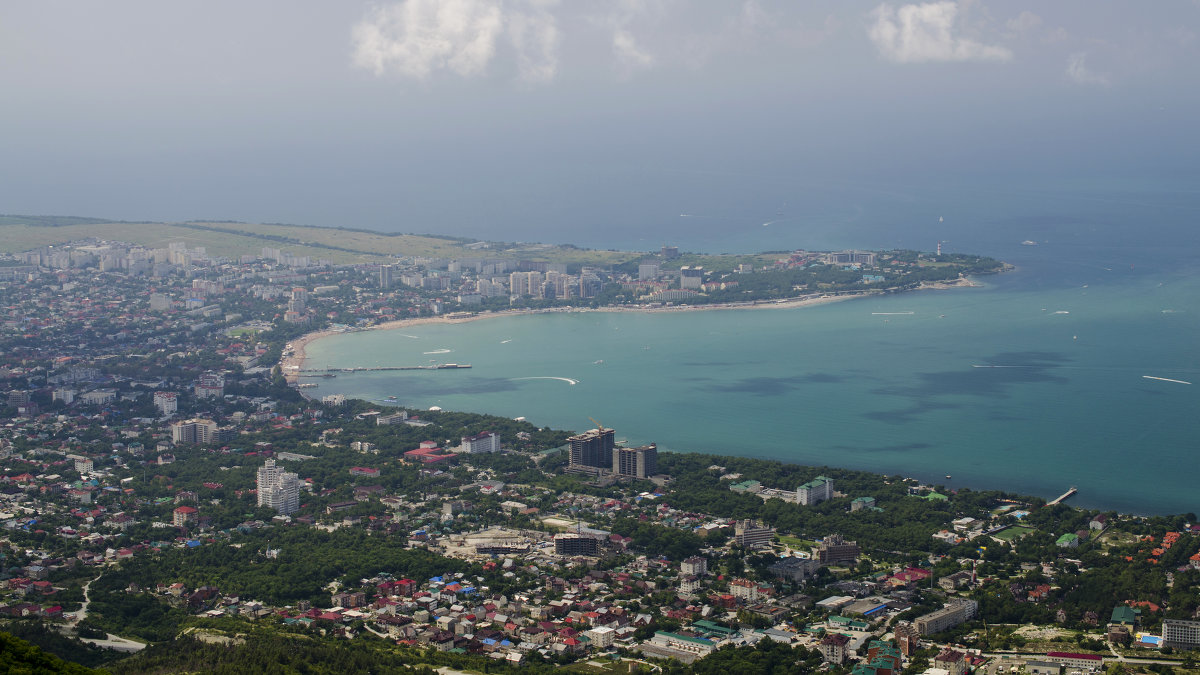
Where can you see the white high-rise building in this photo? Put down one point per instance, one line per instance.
(278, 489)
(167, 402)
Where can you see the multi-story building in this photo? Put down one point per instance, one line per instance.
(641, 462)
(744, 589)
(167, 402)
(591, 450)
(814, 491)
(835, 549)
(210, 385)
(834, 648)
(691, 277)
(1181, 634)
(198, 431)
(958, 611)
(385, 276)
(183, 516)
(278, 489)
(1082, 662)
(694, 566)
(576, 544)
(486, 441)
(751, 534)
(647, 271)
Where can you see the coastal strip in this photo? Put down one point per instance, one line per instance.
(294, 359)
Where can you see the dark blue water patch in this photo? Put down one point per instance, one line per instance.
(475, 385)
(909, 414)
(775, 386)
(889, 449)
(758, 386)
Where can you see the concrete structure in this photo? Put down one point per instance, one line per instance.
(641, 462)
(602, 637)
(591, 450)
(835, 549)
(795, 569)
(1087, 662)
(576, 544)
(744, 589)
(278, 489)
(834, 648)
(817, 490)
(752, 534)
(486, 441)
(958, 611)
(385, 276)
(184, 516)
(195, 430)
(694, 566)
(647, 271)
(1181, 634)
(210, 385)
(167, 402)
(691, 277)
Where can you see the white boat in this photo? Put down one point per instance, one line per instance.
(1029, 242)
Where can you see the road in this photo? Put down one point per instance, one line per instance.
(112, 641)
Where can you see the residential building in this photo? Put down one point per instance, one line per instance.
(576, 544)
(694, 566)
(952, 661)
(835, 549)
(278, 489)
(640, 462)
(591, 450)
(953, 614)
(861, 503)
(752, 534)
(210, 385)
(602, 637)
(385, 276)
(184, 516)
(834, 648)
(1181, 634)
(817, 490)
(195, 430)
(486, 441)
(167, 402)
(691, 277)
(744, 589)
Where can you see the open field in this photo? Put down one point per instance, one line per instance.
(19, 233)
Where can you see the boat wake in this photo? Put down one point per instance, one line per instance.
(438, 351)
(1164, 379)
(504, 342)
(891, 313)
(546, 377)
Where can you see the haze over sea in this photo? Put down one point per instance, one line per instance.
(890, 384)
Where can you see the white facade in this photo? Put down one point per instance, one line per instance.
(485, 442)
(278, 489)
(167, 402)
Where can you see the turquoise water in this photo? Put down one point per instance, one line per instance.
(886, 384)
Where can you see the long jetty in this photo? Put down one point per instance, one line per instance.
(1064, 496)
(362, 369)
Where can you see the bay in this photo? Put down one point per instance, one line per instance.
(1033, 383)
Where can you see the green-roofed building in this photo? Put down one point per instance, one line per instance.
(1068, 540)
(936, 497)
(746, 486)
(1124, 615)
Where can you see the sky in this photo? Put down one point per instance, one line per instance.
(544, 119)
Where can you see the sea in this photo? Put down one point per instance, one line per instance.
(1079, 368)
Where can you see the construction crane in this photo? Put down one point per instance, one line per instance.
(598, 424)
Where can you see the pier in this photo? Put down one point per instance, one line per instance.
(1064, 496)
(311, 372)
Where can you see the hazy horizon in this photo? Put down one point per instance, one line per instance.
(580, 122)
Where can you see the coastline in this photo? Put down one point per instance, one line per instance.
(293, 363)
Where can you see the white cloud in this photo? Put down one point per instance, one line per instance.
(926, 32)
(1078, 71)
(627, 51)
(535, 37)
(1025, 22)
(416, 37)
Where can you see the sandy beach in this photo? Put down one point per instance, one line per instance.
(293, 362)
